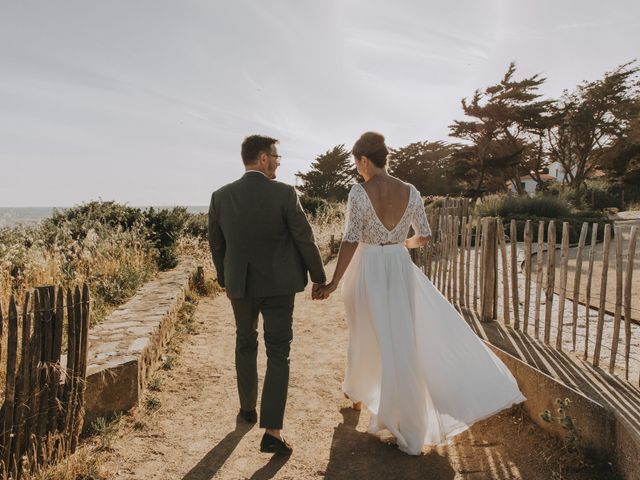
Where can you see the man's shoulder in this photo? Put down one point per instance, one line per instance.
(274, 187)
(281, 186)
(225, 188)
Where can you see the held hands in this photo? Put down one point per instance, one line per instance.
(322, 291)
(315, 290)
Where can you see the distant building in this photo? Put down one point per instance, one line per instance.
(529, 184)
(557, 171)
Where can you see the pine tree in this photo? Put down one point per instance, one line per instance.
(426, 165)
(505, 117)
(330, 176)
(591, 119)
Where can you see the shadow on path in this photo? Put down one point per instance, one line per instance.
(213, 461)
(271, 468)
(357, 454)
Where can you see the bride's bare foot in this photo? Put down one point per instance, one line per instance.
(357, 406)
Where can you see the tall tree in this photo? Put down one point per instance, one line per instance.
(330, 176)
(622, 160)
(504, 116)
(427, 165)
(591, 119)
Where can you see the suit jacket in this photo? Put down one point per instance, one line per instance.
(261, 241)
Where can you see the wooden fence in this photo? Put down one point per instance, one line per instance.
(475, 263)
(43, 403)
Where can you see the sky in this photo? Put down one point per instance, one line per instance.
(146, 102)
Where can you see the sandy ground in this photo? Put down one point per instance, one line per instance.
(195, 434)
(623, 228)
(582, 312)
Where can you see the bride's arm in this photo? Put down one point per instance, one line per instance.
(347, 249)
(420, 225)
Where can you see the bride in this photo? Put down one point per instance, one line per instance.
(413, 361)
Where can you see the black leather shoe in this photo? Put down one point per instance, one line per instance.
(250, 416)
(271, 444)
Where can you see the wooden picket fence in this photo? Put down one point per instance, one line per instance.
(43, 404)
(475, 265)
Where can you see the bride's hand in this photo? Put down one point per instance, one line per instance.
(327, 290)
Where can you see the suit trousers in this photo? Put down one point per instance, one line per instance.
(277, 314)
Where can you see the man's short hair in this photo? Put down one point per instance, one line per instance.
(253, 146)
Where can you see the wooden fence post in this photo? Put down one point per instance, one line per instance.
(467, 281)
(476, 278)
(10, 379)
(577, 283)
(551, 275)
(25, 364)
(627, 298)
(539, 265)
(592, 253)
(489, 271)
(564, 262)
(463, 251)
(527, 274)
(618, 307)
(505, 273)
(603, 294)
(515, 300)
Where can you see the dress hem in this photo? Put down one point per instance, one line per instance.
(454, 433)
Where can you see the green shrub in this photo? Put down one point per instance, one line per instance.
(507, 206)
(575, 226)
(196, 225)
(435, 202)
(313, 205)
(80, 219)
(165, 228)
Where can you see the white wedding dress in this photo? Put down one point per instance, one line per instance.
(424, 375)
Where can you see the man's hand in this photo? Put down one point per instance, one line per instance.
(316, 291)
(323, 291)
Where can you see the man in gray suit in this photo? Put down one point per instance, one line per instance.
(262, 247)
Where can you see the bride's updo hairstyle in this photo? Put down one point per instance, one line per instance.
(371, 145)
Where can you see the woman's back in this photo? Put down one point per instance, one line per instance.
(389, 198)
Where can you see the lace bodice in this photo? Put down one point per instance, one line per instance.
(363, 225)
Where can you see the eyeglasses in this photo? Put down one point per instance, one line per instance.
(279, 157)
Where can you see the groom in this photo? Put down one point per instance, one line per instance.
(262, 247)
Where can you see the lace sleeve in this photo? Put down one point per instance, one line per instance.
(353, 222)
(419, 220)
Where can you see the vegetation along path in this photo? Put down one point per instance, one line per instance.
(193, 432)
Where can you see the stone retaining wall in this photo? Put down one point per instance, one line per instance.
(127, 346)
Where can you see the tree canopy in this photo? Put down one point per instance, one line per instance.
(330, 176)
(426, 166)
(509, 131)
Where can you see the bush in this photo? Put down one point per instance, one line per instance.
(196, 225)
(575, 226)
(434, 202)
(165, 228)
(94, 215)
(313, 205)
(508, 206)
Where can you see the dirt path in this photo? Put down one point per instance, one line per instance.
(195, 434)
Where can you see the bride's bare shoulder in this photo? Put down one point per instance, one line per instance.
(401, 184)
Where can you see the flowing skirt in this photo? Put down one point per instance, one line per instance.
(423, 373)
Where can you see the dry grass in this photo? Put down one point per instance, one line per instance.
(327, 223)
(86, 463)
(114, 263)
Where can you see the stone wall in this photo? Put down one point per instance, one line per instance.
(127, 346)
